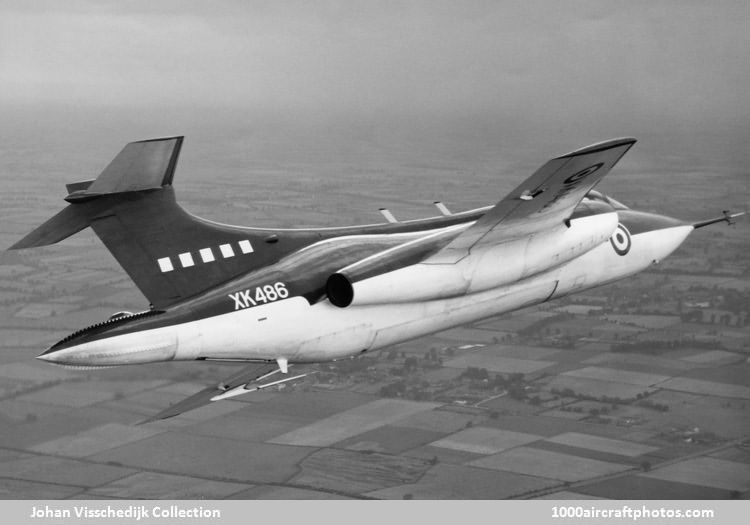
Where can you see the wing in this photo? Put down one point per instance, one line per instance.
(256, 376)
(545, 199)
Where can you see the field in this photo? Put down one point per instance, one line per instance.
(568, 495)
(312, 405)
(436, 420)
(709, 388)
(619, 376)
(524, 352)
(686, 281)
(72, 395)
(611, 446)
(544, 463)
(275, 492)
(638, 487)
(184, 454)
(595, 387)
(33, 339)
(670, 366)
(468, 335)
(142, 484)
(243, 425)
(34, 372)
(579, 309)
(736, 373)
(350, 471)
(95, 440)
(715, 357)
(42, 310)
(496, 363)
(390, 439)
(351, 422)
(645, 321)
(516, 321)
(461, 482)
(29, 490)
(45, 469)
(710, 472)
(481, 440)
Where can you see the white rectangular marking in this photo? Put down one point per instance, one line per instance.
(246, 247)
(207, 255)
(186, 259)
(165, 264)
(226, 250)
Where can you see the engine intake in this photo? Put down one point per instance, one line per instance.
(339, 290)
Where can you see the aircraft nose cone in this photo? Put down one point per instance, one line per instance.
(69, 360)
(668, 240)
(61, 356)
(53, 353)
(128, 349)
(73, 357)
(47, 357)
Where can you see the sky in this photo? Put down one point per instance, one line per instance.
(578, 68)
(374, 56)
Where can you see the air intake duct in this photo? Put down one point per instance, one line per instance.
(339, 290)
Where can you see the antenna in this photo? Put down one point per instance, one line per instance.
(388, 215)
(443, 208)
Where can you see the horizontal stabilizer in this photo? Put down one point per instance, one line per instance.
(67, 222)
(144, 165)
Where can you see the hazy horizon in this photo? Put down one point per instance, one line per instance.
(473, 87)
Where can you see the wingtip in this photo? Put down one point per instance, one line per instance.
(601, 146)
(151, 419)
(160, 139)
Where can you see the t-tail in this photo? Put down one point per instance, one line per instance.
(169, 254)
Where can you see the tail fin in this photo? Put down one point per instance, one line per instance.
(170, 254)
(143, 165)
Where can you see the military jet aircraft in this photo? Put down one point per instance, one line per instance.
(277, 298)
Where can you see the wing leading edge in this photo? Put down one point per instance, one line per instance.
(545, 199)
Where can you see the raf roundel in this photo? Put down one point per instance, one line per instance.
(582, 174)
(621, 240)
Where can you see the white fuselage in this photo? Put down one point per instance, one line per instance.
(294, 330)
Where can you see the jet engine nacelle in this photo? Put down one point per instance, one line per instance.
(480, 270)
